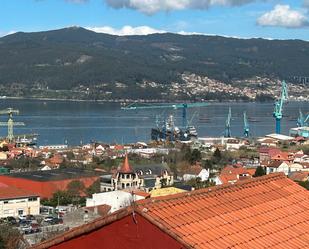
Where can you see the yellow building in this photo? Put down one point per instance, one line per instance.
(166, 191)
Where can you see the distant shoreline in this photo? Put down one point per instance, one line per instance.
(135, 100)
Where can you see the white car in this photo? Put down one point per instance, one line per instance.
(48, 219)
(22, 217)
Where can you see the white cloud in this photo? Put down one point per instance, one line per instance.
(152, 6)
(283, 16)
(126, 30)
(7, 33)
(146, 30)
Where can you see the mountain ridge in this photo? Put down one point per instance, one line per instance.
(71, 58)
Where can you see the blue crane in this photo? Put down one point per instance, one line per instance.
(302, 120)
(277, 114)
(246, 125)
(183, 106)
(227, 130)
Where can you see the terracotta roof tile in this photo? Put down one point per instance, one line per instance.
(265, 212)
(11, 192)
(249, 214)
(126, 167)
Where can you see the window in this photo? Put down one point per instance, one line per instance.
(33, 199)
(20, 211)
(5, 202)
(128, 176)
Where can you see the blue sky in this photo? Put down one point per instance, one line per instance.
(282, 19)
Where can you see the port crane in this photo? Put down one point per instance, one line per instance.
(183, 106)
(10, 123)
(302, 120)
(227, 130)
(277, 114)
(246, 125)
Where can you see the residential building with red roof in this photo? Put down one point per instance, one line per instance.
(15, 201)
(266, 153)
(299, 176)
(264, 212)
(233, 173)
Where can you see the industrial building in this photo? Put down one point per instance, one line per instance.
(46, 183)
(300, 132)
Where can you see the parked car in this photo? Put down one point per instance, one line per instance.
(35, 227)
(24, 222)
(22, 217)
(57, 221)
(30, 217)
(10, 220)
(48, 219)
(26, 229)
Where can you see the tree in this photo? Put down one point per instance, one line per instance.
(163, 182)
(59, 198)
(10, 238)
(259, 171)
(70, 155)
(94, 188)
(197, 183)
(304, 184)
(195, 156)
(217, 155)
(75, 188)
(207, 164)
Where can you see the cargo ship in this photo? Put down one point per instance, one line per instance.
(169, 132)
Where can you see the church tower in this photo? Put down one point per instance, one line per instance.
(126, 178)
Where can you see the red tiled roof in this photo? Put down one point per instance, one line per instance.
(10, 192)
(103, 210)
(270, 210)
(193, 169)
(235, 170)
(270, 151)
(274, 164)
(126, 167)
(299, 176)
(300, 138)
(228, 178)
(231, 174)
(137, 192)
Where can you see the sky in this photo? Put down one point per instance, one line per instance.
(274, 19)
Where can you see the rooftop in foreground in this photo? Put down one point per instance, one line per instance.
(264, 212)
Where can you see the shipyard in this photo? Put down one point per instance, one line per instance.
(157, 124)
(51, 188)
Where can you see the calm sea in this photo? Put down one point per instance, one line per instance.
(74, 123)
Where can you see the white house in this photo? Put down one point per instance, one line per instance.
(283, 167)
(203, 174)
(115, 199)
(234, 144)
(15, 202)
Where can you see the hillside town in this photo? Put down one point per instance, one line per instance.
(48, 190)
(154, 124)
